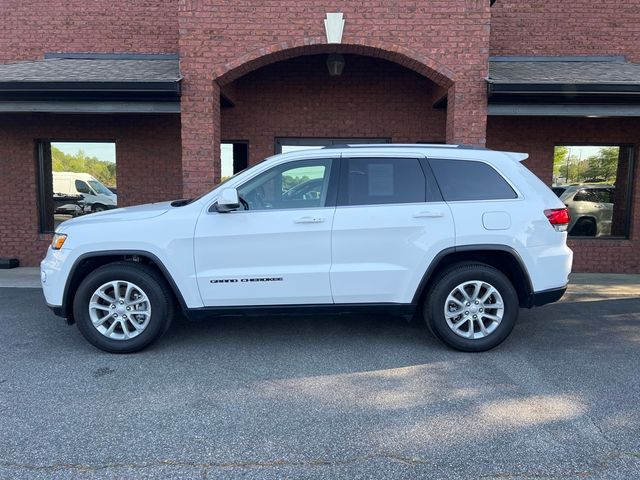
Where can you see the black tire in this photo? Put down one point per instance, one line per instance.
(155, 287)
(585, 227)
(446, 282)
(97, 207)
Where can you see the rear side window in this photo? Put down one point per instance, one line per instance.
(374, 181)
(595, 195)
(461, 180)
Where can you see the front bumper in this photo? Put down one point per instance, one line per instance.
(58, 310)
(54, 271)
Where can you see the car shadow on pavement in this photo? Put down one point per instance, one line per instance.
(350, 340)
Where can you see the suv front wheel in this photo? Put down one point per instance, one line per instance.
(471, 307)
(123, 307)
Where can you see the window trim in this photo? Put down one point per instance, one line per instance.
(432, 191)
(630, 177)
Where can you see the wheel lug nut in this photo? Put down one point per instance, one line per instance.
(468, 304)
(128, 308)
(477, 302)
(113, 306)
(124, 316)
(482, 310)
(466, 313)
(115, 315)
(121, 302)
(475, 316)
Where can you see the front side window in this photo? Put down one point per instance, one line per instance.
(375, 181)
(302, 184)
(82, 187)
(464, 180)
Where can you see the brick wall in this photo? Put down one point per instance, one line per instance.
(538, 136)
(579, 27)
(447, 41)
(29, 28)
(373, 98)
(147, 157)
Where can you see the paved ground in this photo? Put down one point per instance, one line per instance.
(334, 397)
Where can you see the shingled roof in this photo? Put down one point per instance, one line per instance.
(563, 86)
(66, 70)
(95, 72)
(100, 83)
(563, 70)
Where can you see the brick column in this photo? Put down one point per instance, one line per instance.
(467, 112)
(200, 118)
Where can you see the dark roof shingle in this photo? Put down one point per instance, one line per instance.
(564, 72)
(84, 70)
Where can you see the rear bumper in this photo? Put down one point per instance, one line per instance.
(547, 296)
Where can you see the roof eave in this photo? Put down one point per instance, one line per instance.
(515, 89)
(168, 87)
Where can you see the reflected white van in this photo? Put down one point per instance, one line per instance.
(97, 197)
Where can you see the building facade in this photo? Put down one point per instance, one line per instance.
(170, 81)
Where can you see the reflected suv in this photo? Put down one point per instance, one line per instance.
(590, 208)
(461, 237)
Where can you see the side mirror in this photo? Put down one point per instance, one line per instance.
(228, 201)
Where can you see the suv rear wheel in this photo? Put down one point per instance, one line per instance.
(123, 307)
(471, 307)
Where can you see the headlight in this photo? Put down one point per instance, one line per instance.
(58, 240)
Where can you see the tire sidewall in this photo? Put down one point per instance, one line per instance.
(159, 307)
(453, 278)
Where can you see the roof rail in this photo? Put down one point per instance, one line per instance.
(406, 145)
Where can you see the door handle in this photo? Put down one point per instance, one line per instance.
(309, 220)
(428, 214)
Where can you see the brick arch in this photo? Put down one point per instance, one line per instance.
(278, 52)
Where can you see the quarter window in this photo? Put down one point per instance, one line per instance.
(302, 184)
(461, 180)
(373, 181)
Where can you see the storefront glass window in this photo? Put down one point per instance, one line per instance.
(594, 182)
(75, 178)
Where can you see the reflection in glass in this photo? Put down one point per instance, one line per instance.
(593, 182)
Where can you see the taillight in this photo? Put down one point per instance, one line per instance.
(559, 218)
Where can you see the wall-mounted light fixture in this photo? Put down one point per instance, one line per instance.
(335, 64)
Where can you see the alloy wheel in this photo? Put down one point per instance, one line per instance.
(474, 309)
(120, 310)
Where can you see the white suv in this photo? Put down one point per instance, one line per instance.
(462, 236)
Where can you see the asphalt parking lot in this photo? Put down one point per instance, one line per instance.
(327, 397)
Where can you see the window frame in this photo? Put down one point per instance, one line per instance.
(630, 191)
(236, 142)
(432, 191)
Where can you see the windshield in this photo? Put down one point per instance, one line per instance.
(99, 188)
